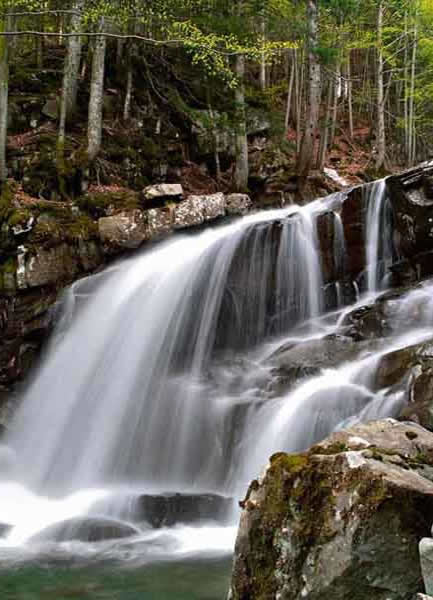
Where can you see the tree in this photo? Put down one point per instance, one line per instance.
(306, 156)
(4, 93)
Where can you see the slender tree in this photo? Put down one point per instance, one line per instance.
(306, 155)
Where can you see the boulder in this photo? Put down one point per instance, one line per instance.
(189, 213)
(169, 509)
(411, 369)
(158, 194)
(214, 206)
(426, 556)
(238, 204)
(159, 222)
(340, 521)
(4, 530)
(86, 529)
(125, 230)
(196, 210)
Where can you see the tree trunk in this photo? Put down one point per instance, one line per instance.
(411, 137)
(349, 96)
(381, 134)
(68, 101)
(324, 138)
(94, 129)
(306, 155)
(263, 57)
(289, 95)
(242, 168)
(337, 90)
(4, 97)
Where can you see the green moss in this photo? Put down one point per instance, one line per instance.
(335, 448)
(96, 204)
(19, 217)
(6, 201)
(8, 271)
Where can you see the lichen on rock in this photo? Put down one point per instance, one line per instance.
(340, 521)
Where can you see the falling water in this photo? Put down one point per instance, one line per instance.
(378, 226)
(156, 380)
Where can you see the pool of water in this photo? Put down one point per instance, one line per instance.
(187, 579)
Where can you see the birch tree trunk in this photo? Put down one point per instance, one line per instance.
(411, 135)
(306, 155)
(381, 134)
(242, 167)
(289, 95)
(68, 100)
(263, 58)
(349, 96)
(4, 97)
(324, 138)
(94, 129)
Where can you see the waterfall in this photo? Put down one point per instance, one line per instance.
(127, 368)
(378, 225)
(156, 378)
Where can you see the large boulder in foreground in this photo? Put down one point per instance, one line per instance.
(341, 521)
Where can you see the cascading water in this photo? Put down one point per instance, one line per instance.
(379, 246)
(157, 377)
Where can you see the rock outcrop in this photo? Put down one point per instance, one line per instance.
(341, 521)
(412, 200)
(46, 245)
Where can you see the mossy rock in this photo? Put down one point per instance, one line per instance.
(98, 203)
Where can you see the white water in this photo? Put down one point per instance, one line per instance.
(143, 387)
(378, 234)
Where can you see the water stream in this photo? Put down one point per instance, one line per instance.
(157, 380)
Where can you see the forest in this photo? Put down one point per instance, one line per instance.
(338, 83)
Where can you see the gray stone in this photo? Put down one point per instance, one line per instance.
(159, 222)
(238, 204)
(170, 191)
(86, 529)
(125, 230)
(189, 213)
(426, 556)
(214, 206)
(340, 521)
(48, 266)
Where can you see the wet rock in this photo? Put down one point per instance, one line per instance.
(426, 556)
(156, 194)
(170, 509)
(125, 230)
(423, 597)
(353, 216)
(320, 353)
(4, 530)
(411, 198)
(238, 204)
(86, 529)
(340, 521)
